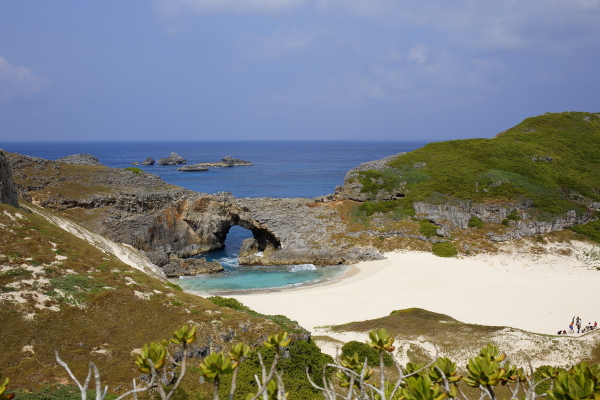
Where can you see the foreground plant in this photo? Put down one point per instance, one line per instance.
(437, 380)
(4, 388)
(152, 359)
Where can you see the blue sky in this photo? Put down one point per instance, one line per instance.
(292, 69)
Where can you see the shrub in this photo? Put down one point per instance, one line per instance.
(513, 216)
(371, 207)
(302, 356)
(427, 228)
(475, 222)
(444, 249)
(135, 170)
(591, 230)
(228, 302)
(365, 351)
(57, 392)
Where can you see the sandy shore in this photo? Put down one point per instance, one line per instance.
(535, 293)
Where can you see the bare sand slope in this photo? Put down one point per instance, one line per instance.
(530, 292)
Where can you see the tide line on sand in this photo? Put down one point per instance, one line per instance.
(531, 292)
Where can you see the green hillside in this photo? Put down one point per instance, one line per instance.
(552, 160)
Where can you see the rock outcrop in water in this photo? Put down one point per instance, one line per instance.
(173, 159)
(8, 192)
(227, 161)
(148, 161)
(81, 159)
(193, 168)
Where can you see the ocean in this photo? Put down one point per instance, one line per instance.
(281, 169)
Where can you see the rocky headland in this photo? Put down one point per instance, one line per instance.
(402, 201)
(81, 159)
(145, 212)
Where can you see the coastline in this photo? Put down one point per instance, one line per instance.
(536, 293)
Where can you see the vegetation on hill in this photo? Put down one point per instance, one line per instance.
(551, 160)
(59, 292)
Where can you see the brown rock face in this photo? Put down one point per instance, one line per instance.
(191, 266)
(8, 192)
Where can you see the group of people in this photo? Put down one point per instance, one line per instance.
(576, 323)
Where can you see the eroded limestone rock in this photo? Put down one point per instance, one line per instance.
(8, 192)
(191, 266)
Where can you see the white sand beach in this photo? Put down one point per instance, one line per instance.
(537, 293)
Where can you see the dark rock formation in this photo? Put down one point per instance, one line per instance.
(158, 257)
(8, 192)
(148, 161)
(173, 159)
(193, 168)
(81, 159)
(235, 161)
(227, 161)
(191, 266)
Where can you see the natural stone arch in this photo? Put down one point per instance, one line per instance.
(263, 238)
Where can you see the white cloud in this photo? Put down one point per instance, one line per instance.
(285, 41)
(545, 25)
(418, 54)
(177, 8)
(18, 82)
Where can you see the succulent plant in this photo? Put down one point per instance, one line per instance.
(239, 351)
(576, 384)
(421, 388)
(278, 340)
(155, 352)
(4, 388)
(381, 340)
(447, 367)
(353, 363)
(217, 364)
(272, 391)
(185, 334)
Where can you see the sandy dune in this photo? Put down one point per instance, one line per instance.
(531, 292)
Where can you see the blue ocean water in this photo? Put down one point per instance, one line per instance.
(281, 169)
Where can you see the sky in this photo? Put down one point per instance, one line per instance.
(292, 69)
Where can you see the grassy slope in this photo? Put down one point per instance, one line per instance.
(103, 321)
(462, 169)
(460, 341)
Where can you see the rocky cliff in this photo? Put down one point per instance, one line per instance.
(8, 192)
(145, 212)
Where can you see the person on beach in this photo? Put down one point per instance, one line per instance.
(595, 324)
(571, 328)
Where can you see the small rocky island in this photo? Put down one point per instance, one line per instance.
(173, 159)
(227, 161)
(193, 168)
